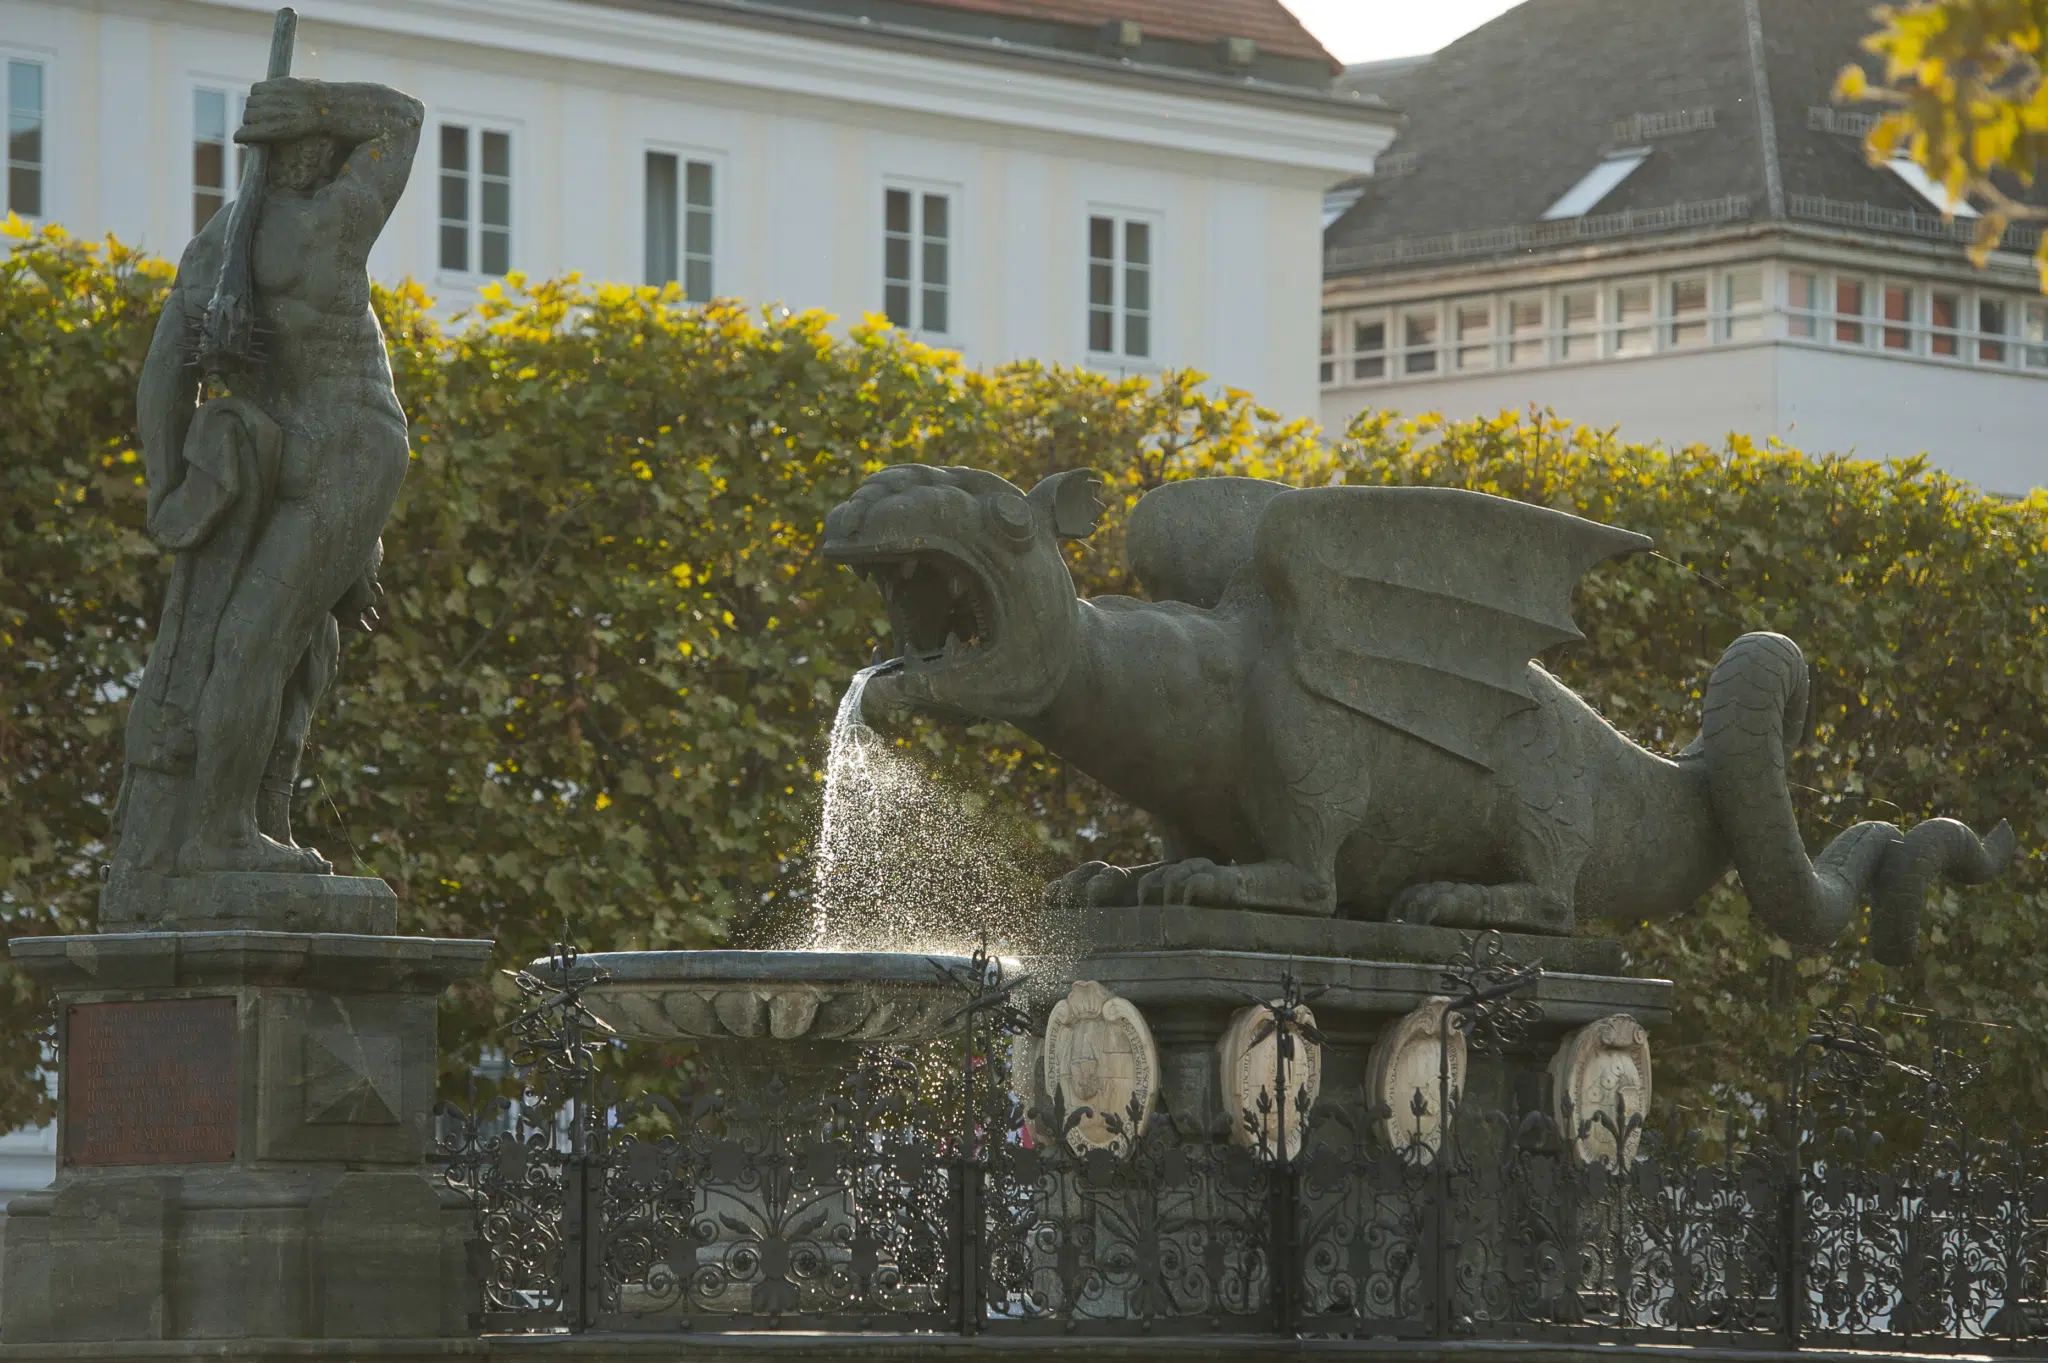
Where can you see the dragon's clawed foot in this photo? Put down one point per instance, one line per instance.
(1097, 884)
(1197, 880)
(1094, 885)
(1275, 886)
(1424, 904)
(1518, 907)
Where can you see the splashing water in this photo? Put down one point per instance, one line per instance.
(905, 862)
(849, 784)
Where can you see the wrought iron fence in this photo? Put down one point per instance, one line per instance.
(914, 1190)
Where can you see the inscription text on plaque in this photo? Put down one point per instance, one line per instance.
(150, 1082)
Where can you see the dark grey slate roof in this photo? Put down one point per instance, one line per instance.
(1172, 36)
(1505, 120)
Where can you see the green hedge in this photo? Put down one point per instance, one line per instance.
(611, 653)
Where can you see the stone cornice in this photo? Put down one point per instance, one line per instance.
(760, 48)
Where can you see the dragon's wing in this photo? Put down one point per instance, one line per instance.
(1186, 540)
(1421, 607)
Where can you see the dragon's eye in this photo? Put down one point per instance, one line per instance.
(1012, 519)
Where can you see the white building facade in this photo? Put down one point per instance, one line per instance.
(1842, 345)
(1648, 215)
(999, 198)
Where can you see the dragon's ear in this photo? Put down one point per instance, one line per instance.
(1070, 502)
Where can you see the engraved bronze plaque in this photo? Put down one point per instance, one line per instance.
(150, 1082)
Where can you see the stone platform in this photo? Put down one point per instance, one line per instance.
(1370, 989)
(243, 1119)
(1190, 972)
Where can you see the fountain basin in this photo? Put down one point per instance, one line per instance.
(864, 997)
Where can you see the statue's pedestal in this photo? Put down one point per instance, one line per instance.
(243, 1118)
(1380, 1198)
(1190, 970)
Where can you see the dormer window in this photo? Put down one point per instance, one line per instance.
(1597, 184)
(1927, 188)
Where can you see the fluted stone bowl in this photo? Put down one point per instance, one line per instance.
(861, 997)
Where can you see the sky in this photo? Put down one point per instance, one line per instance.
(1368, 30)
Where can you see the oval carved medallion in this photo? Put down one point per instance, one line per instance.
(1405, 1076)
(1101, 1069)
(1247, 1065)
(1600, 1087)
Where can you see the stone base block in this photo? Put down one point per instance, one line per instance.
(357, 1254)
(227, 900)
(243, 1119)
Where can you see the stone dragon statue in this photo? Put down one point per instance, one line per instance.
(1329, 706)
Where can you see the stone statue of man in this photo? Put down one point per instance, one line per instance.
(273, 498)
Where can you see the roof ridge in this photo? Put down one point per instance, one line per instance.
(1270, 23)
(1766, 119)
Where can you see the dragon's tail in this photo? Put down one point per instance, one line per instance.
(1755, 715)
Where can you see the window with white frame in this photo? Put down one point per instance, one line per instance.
(1633, 334)
(1904, 318)
(1418, 341)
(1944, 322)
(1992, 314)
(1369, 347)
(1578, 320)
(1659, 313)
(679, 207)
(1852, 296)
(2034, 330)
(25, 149)
(1525, 318)
(1473, 319)
(917, 245)
(1802, 304)
(1688, 308)
(216, 158)
(1120, 263)
(1742, 304)
(1896, 303)
(476, 199)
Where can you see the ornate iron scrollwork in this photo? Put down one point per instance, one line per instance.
(929, 1188)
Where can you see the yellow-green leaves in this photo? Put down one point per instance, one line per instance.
(1963, 80)
(610, 655)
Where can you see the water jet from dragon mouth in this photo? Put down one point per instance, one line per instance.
(905, 862)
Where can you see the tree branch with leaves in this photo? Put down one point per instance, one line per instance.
(1967, 103)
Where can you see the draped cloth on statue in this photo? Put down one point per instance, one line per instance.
(217, 494)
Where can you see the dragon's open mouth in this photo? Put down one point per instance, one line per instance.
(940, 607)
